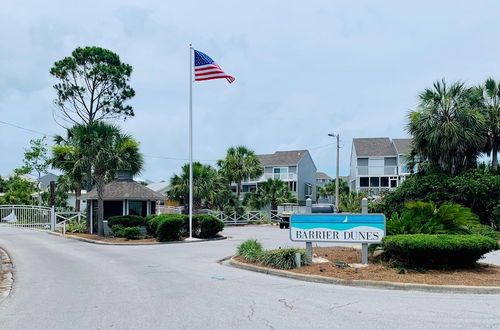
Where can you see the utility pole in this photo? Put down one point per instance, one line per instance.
(337, 172)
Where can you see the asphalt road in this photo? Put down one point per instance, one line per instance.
(67, 284)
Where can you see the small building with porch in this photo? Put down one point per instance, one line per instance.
(123, 196)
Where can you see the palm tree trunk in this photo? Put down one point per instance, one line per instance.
(494, 156)
(100, 204)
(78, 193)
(238, 189)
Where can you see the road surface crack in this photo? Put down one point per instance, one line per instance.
(252, 311)
(344, 305)
(286, 303)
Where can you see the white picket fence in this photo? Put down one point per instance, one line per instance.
(247, 217)
(63, 218)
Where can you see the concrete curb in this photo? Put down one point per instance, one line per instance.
(93, 241)
(6, 276)
(369, 284)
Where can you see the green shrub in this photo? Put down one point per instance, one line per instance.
(152, 224)
(209, 226)
(250, 250)
(283, 258)
(195, 224)
(131, 233)
(437, 251)
(169, 227)
(425, 218)
(73, 226)
(127, 221)
(479, 229)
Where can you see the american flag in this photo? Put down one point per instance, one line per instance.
(205, 68)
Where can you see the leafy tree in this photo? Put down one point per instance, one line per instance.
(240, 164)
(106, 150)
(3, 184)
(204, 184)
(272, 192)
(447, 129)
(329, 189)
(93, 85)
(490, 93)
(17, 190)
(36, 161)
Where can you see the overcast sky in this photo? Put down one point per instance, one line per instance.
(303, 69)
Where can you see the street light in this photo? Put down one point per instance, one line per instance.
(337, 176)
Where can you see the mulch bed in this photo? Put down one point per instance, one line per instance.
(113, 239)
(482, 275)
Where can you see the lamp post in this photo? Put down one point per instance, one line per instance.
(337, 172)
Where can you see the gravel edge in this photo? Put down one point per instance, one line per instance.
(6, 279)
(88, 240)
(368, 284)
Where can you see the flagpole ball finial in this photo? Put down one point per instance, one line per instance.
(190, 44)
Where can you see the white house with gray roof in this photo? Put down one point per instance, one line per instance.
(378, 164)
(295, 167)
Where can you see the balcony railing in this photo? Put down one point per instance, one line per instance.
(281, 176)
(377, 170)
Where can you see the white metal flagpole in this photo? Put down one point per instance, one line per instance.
(190, 140)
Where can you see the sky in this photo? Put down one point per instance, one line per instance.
(303, 69)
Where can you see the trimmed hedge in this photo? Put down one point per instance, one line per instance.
(169, 227)
(126, 221)
(209, 225)
(132, 233)
(437, 251)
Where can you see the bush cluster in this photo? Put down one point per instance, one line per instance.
(127, 221)
(252, 251)
(204, 226)
(437, 251)
(476, 189)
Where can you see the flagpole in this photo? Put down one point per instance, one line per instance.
(190, 140)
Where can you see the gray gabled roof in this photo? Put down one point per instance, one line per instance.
(159, 186)
(45, 180)
(282, 158)
(125, 189)
(402, 145)
(366, 147)
(323, 176)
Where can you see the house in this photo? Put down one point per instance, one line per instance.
(294, 167)
(123, 196)
(322, 179)
(378, 164)
(162, 187)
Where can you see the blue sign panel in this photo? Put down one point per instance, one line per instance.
(354, 228)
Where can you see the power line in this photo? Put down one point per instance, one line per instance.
(149, 156)
(24, 128)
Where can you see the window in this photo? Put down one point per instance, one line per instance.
(394, 183)
(362, 161)
(137, 208)
(280, 172)
(390, 161)
(384, 181)
(308, 190)
(363, 182)
(374, 182)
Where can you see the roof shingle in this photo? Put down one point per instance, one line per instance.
(125, 189)
(373, 147)
(282, 158)
(402, 145)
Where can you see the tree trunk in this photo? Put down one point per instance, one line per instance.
(494, 156)
(78, 193)
(89, 188)
(238, 189)
(100, 204)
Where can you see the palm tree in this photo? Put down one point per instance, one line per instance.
(70, 159)
(447, 130)
(105, 149)
(205, 182)
(490, 93)
(240, 164)
(271, 193)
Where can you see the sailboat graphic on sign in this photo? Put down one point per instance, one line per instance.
(345, 220)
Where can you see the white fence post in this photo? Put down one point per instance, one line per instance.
(53, 219)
